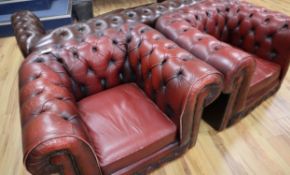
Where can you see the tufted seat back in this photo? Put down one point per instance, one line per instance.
(131, 53)
(254, 29)
(34, 37)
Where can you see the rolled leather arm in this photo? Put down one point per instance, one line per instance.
(236, 65)
(54, 140)
(180, 84)
(27, 29)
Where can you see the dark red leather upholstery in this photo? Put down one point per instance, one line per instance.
(84, 60)
(53, 81)
(34, 38)
(253, 29)
(28, 30)
(265, 79)
(117, 118)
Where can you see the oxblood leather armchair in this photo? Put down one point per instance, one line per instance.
(122, 102)
(254, 61)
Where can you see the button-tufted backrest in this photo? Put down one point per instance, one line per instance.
(254, 29)
(92, 65)
(131, 53)
(96, 62)
(146, 14)
(227, 59)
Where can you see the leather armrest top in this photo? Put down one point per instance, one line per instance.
(27, 30)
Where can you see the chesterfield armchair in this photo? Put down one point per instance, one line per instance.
(250, 45)
(120, 102)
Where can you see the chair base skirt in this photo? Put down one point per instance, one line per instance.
(150, 163)
(251, 106)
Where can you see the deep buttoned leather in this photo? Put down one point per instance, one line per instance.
(28, 40)
(250, 32)
(53, 80)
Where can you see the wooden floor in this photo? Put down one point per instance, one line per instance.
(259, 144)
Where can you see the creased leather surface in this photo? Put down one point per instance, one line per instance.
(125, 126)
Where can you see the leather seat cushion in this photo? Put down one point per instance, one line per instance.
(125, 126)
(265, 76)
